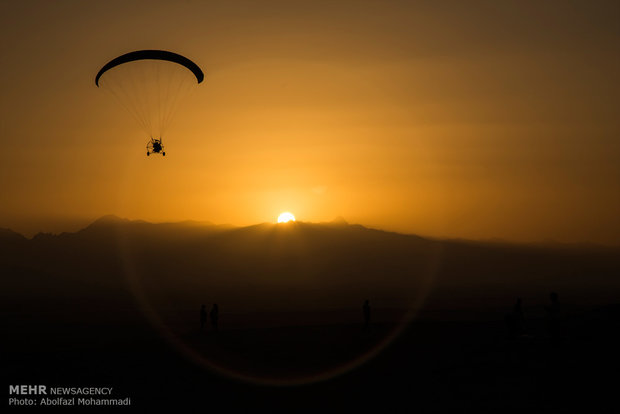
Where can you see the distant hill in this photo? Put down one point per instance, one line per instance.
(9, 236)
(292, 266)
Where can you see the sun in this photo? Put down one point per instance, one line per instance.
(286, 217)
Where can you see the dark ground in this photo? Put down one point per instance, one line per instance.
(436, 365)
(69, 316)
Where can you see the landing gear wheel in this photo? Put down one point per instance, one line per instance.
(163, 153)
(148, 153)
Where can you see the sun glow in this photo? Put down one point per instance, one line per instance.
(286, 217)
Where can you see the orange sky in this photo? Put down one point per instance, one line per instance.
(478, 120)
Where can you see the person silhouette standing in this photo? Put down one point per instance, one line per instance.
(515, 320)
(553, 313)
(214, 314)
(203, 316)
(519, 318)
(366, 310)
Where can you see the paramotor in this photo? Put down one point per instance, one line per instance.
(150, 85)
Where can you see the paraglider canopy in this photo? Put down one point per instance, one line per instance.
(152, 55)
(150, 85)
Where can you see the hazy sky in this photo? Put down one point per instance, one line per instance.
(473, 119)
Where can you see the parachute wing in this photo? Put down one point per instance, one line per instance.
(152, 55)
(150, 85)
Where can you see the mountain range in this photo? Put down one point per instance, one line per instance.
(289, 267)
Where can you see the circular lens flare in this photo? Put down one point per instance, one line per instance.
(286, 217)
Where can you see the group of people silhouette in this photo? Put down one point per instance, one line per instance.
(214, 315)
(515, 321)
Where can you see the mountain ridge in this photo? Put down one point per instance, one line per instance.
(113, 221)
